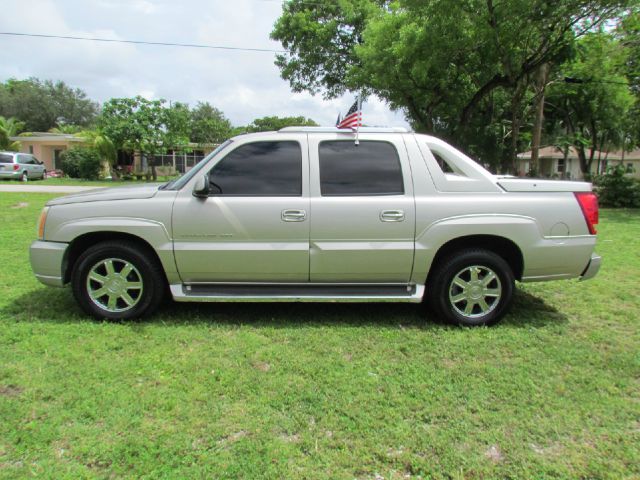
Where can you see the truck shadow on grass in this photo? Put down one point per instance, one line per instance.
(58, 306)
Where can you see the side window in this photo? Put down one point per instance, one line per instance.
(259, 169)
(444, 160)
(370, 168)
(25, 159)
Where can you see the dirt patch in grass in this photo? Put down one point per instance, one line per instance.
(10, 391)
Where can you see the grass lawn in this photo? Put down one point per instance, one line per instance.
(322, 390)
(65, 181)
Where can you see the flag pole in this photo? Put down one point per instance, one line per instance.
(359, 118)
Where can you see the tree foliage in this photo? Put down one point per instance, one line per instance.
(208, 124)
(455, 68)
(591, 100)
(146, 126)
(9, 127)
(274, 123)
(43, 105)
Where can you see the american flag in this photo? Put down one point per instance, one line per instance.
(353, 118)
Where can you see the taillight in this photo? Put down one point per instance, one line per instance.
(589, 204)
(16, 166)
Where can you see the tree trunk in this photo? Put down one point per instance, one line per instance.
(543, 77)
(510, 165)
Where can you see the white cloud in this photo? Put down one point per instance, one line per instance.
(245, 85)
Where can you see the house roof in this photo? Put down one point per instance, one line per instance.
(47, 137)
(554, 152)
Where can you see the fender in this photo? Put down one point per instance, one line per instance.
(521, 230)
(151, 231)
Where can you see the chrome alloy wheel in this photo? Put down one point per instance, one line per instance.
(475, 291)
(114, 285)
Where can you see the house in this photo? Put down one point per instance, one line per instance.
(554, 162)
(47, 147)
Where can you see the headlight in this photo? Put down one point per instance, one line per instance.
(41, 221)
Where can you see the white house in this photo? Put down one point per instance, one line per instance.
(553, 162)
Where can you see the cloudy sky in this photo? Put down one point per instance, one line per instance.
(244, 85)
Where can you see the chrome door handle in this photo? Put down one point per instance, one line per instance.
(392, 215)
(294, 215)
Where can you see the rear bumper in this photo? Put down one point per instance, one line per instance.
(592, 268)
(10, 173)
(47, 259)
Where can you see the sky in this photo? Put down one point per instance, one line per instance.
(244, 85)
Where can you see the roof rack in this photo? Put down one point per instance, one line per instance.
(345, 130)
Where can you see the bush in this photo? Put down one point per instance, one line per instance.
(617, 189)
(81, 162)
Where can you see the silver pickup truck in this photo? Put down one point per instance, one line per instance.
(316, 214)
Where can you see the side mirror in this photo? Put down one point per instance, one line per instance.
(201, 187)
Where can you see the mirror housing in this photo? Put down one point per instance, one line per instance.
(201, 187)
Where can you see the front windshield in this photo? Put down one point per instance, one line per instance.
(178, 183)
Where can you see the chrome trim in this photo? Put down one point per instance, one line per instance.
(178, 291)
(592, 268)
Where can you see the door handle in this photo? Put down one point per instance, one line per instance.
(392, 215)
(294, 215)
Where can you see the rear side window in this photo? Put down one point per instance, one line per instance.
(259, 169)
(4, 158)
(370, 168)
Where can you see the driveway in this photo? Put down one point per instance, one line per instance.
(21, 188)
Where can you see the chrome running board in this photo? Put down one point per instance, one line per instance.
(276, 292)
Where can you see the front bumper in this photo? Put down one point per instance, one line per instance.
(592, 267)
(47, 259)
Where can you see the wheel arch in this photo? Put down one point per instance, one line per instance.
(79, 244)
(501, 246)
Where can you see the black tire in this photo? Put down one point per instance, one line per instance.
(462, 305)
(24, 177)
(146, 271)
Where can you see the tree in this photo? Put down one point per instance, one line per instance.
(146, 126)
(208, 125)
(104, 147)
(267, 124)
(593, 100)
(441, 62)
(45, 105)
(9, 127)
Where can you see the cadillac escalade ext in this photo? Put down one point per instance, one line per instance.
(320, 214)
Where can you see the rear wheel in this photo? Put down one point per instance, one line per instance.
(117, 281)
(472, 287)
(24, 177)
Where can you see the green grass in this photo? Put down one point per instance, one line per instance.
(322, 390)
(65, 181)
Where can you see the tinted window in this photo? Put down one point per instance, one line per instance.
(259, 168)
(370, 168)
(4, 158)
(25, 159)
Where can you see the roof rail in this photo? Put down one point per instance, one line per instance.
(345, 130)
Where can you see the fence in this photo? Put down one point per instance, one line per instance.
(181, 162)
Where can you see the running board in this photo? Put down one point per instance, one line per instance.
(274, 292)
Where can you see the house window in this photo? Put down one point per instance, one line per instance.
(31, 149)
(561, 165)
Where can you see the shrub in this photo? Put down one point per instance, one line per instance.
(81, 162)
(617, 189)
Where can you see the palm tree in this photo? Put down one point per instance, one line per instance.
(9, 127)
(104, 146)
(66, 128)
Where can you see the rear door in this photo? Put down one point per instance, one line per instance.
(254, 226)
(362, 209)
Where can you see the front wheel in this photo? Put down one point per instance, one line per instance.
(471, 288)
(117, 281)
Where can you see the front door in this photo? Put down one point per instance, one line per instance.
(363, 214)
(254, 226)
